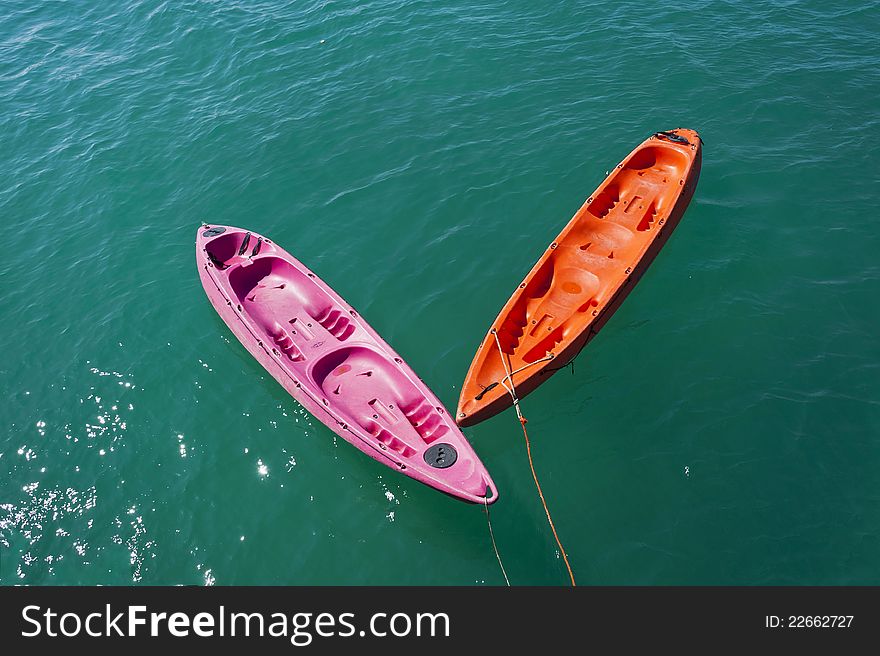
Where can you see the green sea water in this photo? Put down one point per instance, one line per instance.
(724, 428)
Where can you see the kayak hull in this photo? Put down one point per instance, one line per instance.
(585, 274)
(319, 349)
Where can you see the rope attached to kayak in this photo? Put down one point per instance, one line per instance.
(492, 535)
(523, 421)
(510, 376)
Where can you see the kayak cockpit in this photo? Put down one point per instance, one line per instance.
(370, 390)
(234, 247)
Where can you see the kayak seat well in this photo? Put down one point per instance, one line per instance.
(643, 184)
(224, 250)
(369, 390)
(288, 304)
(568, 282)
(659, 159)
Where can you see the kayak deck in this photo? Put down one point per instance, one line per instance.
(585, 273)
(333, 363)
(365, 387)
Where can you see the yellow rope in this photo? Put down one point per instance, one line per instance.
(523, 421)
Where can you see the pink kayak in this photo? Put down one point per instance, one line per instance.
(331, 361)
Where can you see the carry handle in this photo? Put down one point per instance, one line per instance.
(669, 134)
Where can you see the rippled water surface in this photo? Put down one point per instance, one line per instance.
(419, 156)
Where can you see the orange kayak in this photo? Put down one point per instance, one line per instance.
(585, 274)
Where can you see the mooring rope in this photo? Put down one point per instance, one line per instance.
(523, 421)
(492, 535)
(547, 357)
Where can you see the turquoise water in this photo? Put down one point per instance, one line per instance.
(722, 429)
